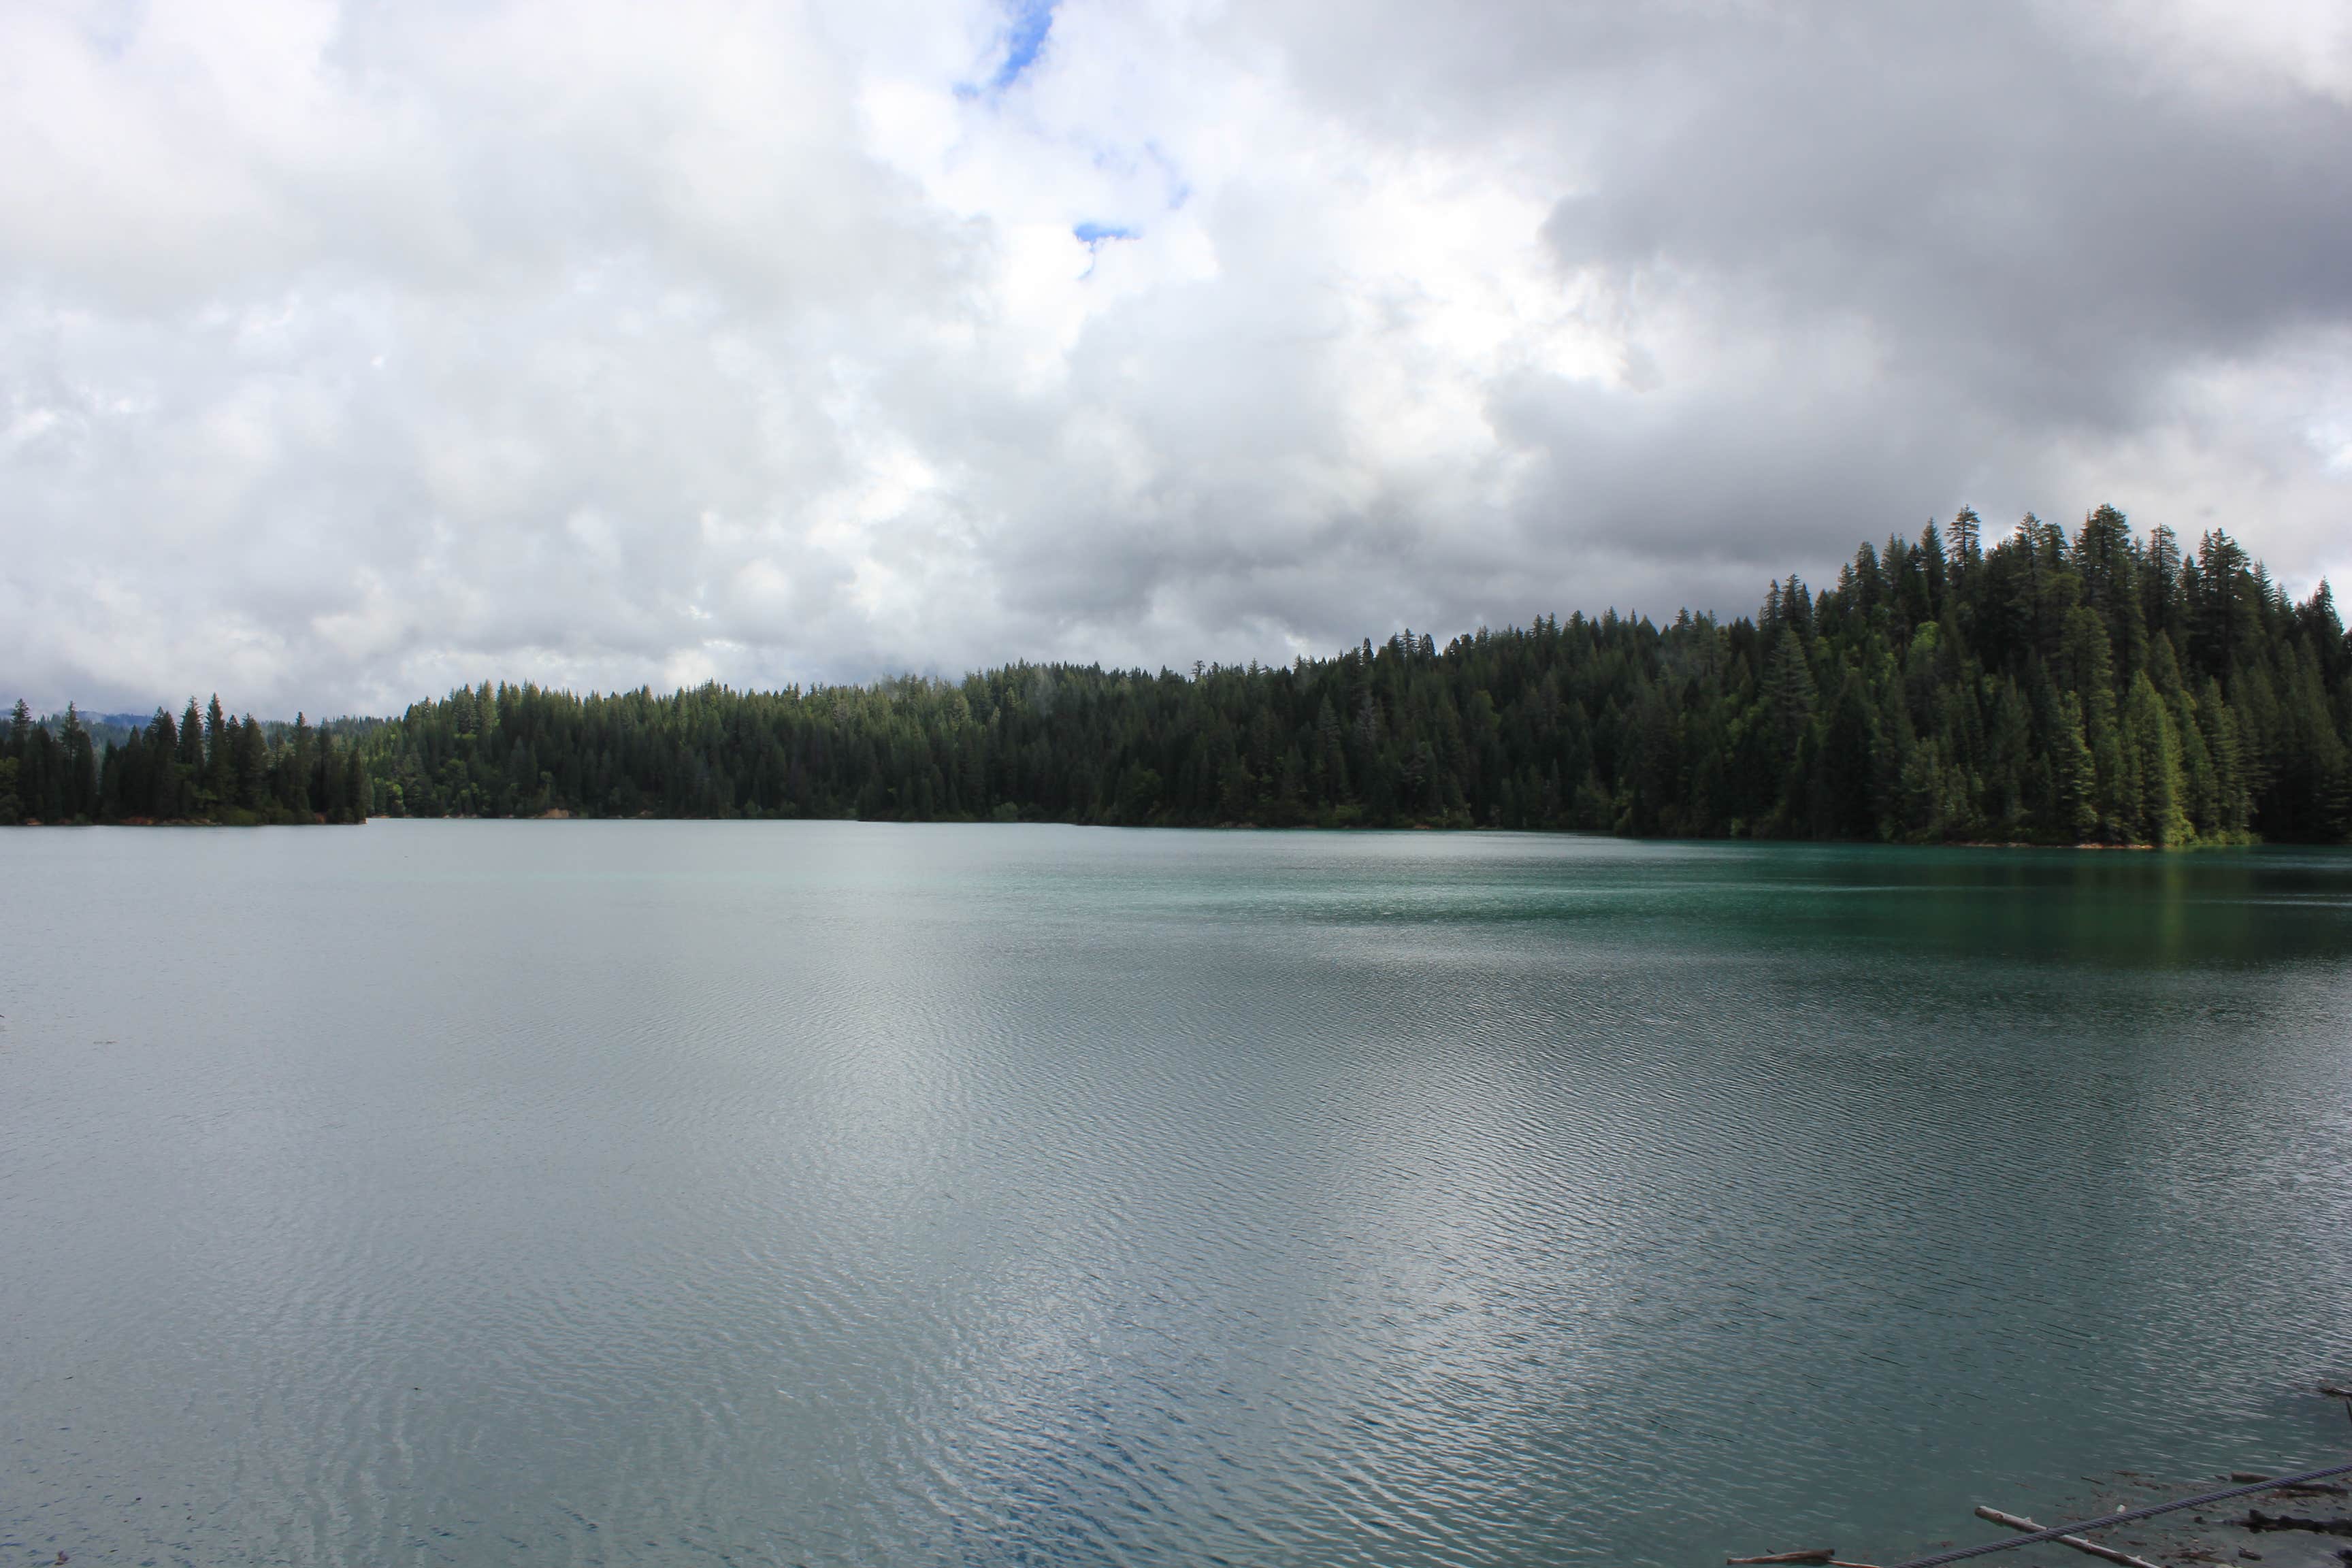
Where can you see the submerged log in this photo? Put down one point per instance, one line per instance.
(2258, 1521)
(2081, 1544)
(2292, 1488)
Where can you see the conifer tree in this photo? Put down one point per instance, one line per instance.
(220, 773)
(189, 761)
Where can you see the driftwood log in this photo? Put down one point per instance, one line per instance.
(2079, 1542)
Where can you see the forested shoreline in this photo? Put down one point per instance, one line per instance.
(2097, 689)
(201, 768)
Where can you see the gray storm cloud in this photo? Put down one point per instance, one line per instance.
(347, 351)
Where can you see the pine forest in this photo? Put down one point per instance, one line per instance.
(2102, 689)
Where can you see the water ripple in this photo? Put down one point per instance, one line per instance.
(829, 1194)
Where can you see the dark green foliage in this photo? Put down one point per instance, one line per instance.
(2100, 689)
(207, 768)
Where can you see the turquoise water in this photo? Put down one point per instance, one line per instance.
(837, 1193)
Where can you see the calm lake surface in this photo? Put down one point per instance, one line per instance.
(839, 1194)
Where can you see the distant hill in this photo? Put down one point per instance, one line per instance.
(105, 728)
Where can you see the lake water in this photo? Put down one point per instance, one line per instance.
(840, 1194)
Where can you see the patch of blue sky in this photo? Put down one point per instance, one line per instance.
(1025, 40)
(1094, 235)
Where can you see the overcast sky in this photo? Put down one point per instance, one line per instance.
(347, 351)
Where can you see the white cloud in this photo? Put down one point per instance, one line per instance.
(350, 350)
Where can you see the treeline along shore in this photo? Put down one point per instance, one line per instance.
(201, 768)
(2097, 689)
